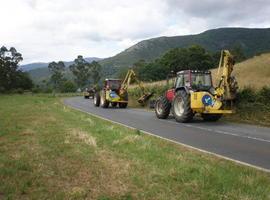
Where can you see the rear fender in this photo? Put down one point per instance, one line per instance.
(170, 94)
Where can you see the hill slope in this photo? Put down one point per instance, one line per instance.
(252, 41)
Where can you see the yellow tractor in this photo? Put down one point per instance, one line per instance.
(115, 92)
(193, 93)
(89, 92)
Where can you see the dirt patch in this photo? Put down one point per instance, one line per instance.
(82, 136)
(127, 139)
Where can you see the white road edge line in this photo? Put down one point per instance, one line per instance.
(173, 141)
(227, 133)
(216, 131)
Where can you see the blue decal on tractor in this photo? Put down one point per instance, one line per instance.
(113, 94)
(207, 100)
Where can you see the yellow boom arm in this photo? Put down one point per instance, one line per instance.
(125, 84)
(227, 85)
(131, 75)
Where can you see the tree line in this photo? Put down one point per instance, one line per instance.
(194, 57)
(12, 79)
(84, 73)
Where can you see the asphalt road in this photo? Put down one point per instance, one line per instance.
(244, 143)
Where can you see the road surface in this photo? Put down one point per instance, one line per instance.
(244, 143)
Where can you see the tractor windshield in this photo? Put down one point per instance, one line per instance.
(114, 84)
(201, 81)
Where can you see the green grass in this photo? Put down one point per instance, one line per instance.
(49, 151)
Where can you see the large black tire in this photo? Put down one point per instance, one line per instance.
(181, 109)
(96, 99)
(162, 107)
(103, 102)
(114, 104)
(124, 105)
(211, 117)
(86, 97)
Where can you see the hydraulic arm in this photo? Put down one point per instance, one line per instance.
(125, 84)
(227, 85)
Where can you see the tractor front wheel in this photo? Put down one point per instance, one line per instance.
(162, 108)
(211, 117)
(97, 99)
(103, 102)
(181, 109)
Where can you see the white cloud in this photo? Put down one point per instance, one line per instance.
(45, 30)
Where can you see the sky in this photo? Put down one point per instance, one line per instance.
(47, 30)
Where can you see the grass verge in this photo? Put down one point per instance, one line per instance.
(49, 151)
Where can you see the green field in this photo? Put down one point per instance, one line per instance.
(49, 151)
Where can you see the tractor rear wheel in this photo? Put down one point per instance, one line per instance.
(162, 107)
(97, 99)
(211, 117)
(103, 102)
(181, 109)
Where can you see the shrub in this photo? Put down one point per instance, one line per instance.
(17, 91)
(246, 95)
(68, 86)
(36, 90)
(263, 95)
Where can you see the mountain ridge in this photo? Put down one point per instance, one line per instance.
(37, 65)
(252, 40)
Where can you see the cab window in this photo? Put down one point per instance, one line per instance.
(179, 81)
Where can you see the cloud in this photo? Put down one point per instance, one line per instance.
(60, 30)
(226, 12)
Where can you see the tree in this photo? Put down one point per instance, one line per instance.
(238, 53)
(194, 57)
(175, 60)
(57, 70)
(198, 58)
(10, 76)
(68, 86)
(81, 69)
(95, 72)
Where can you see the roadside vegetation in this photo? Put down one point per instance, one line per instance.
(49, 151)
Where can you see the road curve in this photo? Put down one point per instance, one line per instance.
(244, 143)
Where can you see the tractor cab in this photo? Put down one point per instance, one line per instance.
(194, 80)
(112, 84)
